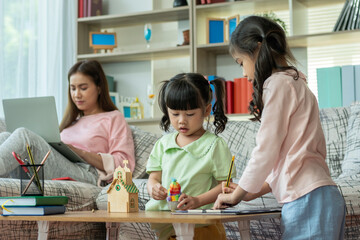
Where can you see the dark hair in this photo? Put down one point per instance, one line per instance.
(93, 69)
(272, 53)
(188, 91)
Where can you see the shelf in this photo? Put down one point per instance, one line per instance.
(145, 120)
(239, 117)
(241, 5)
(325, 39)
(317, 3)
(138, 55)
(113, 21)
(216, 48)
(312, 40)
(261, 4)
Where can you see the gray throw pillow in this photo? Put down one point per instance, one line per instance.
(351, 163)
(144, 143)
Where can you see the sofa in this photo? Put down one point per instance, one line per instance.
(341, 128)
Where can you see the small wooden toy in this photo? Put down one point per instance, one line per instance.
(122, 193)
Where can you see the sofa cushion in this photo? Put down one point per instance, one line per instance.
(241, 139)
(144, 143)
(351, 162)
(334, 122)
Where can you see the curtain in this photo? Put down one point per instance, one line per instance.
(37, 48)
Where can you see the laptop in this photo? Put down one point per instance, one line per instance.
(39, 115)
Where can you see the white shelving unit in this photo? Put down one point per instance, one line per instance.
(306, 29)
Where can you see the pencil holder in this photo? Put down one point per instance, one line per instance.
(31, 180)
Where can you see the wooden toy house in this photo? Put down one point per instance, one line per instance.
(122, 193)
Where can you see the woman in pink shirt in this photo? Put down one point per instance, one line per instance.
(92, 126)
(289, 157)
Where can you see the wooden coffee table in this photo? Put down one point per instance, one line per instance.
(183, 224)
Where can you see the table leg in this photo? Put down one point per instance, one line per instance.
(244, 229)
(184, 231)
(43, 230)
(112, 230)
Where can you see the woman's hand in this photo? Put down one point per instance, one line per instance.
(188, 202)
(93, 159)
(158, 192)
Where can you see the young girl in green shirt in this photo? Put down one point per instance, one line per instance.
(198, 159)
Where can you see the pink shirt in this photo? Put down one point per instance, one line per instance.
(106, 134)
(290, 145)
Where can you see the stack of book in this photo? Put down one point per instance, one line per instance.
(33, 205)
(89, 8)
(338, 86)
(349, 18)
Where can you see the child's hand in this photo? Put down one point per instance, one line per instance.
(187, 202)
(223, 201)
(158, 192)
(229, 189)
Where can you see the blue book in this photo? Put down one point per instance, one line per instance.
(348, 85)
(210, 78)
(357, 82)
(329, 87)
(33, 211)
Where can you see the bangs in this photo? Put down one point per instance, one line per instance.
(184, 96)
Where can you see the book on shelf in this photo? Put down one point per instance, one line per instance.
(33, 211)
(210, 78)
(329, 87)
(242, 95)
(349, 16)
(89, 8)
(80, 8)
(237, 97)
(94, 8)
(229, 97)
(33, 200)
(357, 82)
(348, 84)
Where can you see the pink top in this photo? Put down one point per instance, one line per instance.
(106, 134)
(290, 145)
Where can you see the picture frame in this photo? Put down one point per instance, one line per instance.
(232, 23)
(102, 40)
(215, 30)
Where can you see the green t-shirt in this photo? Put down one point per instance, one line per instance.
(197, 166)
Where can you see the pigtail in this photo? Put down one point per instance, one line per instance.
(220, 119)
(165, 120)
